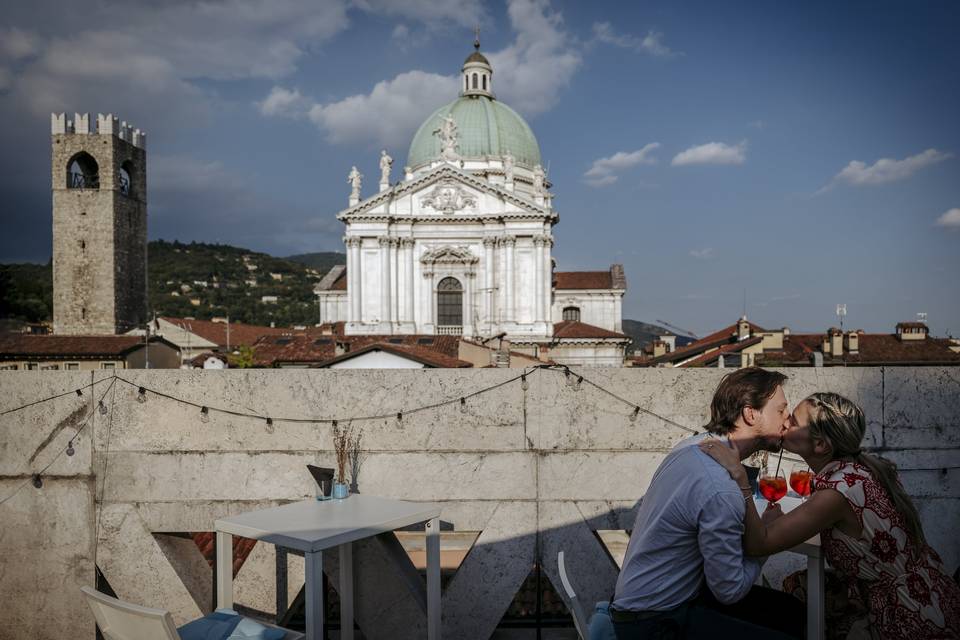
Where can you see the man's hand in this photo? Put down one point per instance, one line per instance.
(771, 513)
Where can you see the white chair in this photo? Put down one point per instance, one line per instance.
(576, 609)
(119, 620)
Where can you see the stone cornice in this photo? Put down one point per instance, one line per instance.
(530, 208)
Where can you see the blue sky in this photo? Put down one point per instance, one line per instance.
(802, 155)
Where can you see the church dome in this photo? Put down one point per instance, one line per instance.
(486, 128)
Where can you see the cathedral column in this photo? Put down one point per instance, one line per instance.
(384, 279)
(547, 280)
(407, 244)
(354, 287)
(488, 266)
(538, 278)
(469, 329)
(509, 243)
(393, 249)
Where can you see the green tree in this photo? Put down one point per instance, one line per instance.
(243, 359)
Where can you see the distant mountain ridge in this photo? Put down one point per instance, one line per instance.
(643, 333)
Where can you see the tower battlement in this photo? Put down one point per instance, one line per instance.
(107, 124)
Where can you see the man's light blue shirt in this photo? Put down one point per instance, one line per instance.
(689, 529)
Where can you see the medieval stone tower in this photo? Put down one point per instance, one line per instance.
(99, 226)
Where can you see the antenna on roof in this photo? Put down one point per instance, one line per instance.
(744, 302)
(841, 312)
(922, 317)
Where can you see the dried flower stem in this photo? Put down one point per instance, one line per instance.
(341, 447)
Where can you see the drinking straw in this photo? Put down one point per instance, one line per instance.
(777, 472)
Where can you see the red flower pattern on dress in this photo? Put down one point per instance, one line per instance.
(899, 577)
(918, 589)
(884, 546)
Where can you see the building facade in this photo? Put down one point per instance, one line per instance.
(461, 244)
(99, 180)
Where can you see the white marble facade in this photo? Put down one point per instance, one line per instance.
(446, 223)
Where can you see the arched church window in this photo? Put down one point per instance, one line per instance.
(571, 314)
(484, 82)
(83, 172)
(474, 81)
(449, 303)
(125, 184)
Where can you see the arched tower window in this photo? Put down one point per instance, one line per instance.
(571, 314)
(83, 172)
(484, 82)
(474, 81)
(126, 169)
(449, 303)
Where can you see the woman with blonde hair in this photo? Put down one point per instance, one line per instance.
(869, 529)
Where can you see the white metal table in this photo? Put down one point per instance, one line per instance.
(815, 575)
(311, 526)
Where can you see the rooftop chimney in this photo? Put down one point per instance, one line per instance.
(907, 331)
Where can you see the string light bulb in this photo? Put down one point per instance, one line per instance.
(463, 405)
(400, 418)
(142, 395)
(37, 480)
(636, 412)
(79, 393)
(523, 382)
(578, 383)
(70, 449)
(269, 425)
(204, 414)
(102, 408)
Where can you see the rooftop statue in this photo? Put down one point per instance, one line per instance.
(386, 162)
(449, 139)
(508, 161)
(354, 180)
(539, 176)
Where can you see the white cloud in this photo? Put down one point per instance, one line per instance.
(16, 43)
(433, 13)
(529, 75)
(389, 113)
(950, 219)
(284, 102)
(703, 254)
(603, 171)
(712, 153)
(652, 43)
(887, 169)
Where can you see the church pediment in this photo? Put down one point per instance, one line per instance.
(448, 197)
(448, 255)
(446, 193)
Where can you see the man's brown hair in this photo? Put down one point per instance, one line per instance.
(747, 387)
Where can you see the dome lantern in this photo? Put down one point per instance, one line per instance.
(477, 74)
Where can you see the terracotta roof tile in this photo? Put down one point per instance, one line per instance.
(873, 349)
(216, 332)
(724, 350)
(582, 280)
(52, 345)
(315, 346)
(417, 353)
(570, 329)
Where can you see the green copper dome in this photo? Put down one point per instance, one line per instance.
(485, 126)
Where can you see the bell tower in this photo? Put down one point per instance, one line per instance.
(99, 226)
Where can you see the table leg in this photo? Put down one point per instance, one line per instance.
(346, 591)
(433, 579)
(815, 589)
(224, 570)
(313, 600)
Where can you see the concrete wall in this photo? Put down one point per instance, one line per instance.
(534, 471)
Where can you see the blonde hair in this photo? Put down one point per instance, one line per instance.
(841, 423)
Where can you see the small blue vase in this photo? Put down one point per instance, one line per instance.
(340, 490)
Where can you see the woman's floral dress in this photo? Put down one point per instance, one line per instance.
(902, 583)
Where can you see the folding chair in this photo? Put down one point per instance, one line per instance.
(119, 620)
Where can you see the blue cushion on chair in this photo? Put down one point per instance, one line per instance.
(601, 625)
(227, 624)
(213, 626)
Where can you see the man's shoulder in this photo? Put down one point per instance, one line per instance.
(704, 474)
